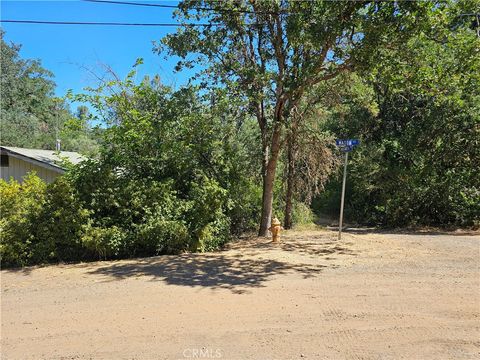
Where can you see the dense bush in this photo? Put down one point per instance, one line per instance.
(49, 223)
(417, 161)
(174, 179)
(419, 155)
(40, 223)
(302, 214)
(171, 176)
(58, 231)
(104, 243)
(20, 206)
(140, 217)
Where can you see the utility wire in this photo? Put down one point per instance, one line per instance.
(100, 23)
(132, 3)
(234, 11)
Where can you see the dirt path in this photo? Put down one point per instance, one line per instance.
(369, 296)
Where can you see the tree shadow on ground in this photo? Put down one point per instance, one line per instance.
(207, 270)
(19, 270)
(248, 263)
(309, 248)
(311, 245)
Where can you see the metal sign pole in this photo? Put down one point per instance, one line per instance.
(343, 197)
(345, 145)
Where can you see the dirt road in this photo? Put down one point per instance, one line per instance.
(370, 296)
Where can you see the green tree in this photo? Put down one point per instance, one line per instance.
(420, 151)
(29, 111)
(272, 52)
(31, 115)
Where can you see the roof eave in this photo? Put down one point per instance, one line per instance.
(55, 168)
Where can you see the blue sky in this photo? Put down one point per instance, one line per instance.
(67, 49)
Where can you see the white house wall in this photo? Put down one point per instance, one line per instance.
(18, 168)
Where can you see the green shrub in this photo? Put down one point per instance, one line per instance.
(158, 236)
(302, 214)
(208, 224)
(104, 243)
(214, 235)
(244, 205)
(20, 206)
(58, 230)
(41, 223)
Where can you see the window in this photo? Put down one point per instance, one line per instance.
(4, 160)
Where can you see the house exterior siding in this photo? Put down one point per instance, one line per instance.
(18, 168)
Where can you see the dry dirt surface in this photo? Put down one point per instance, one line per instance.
(369, 296)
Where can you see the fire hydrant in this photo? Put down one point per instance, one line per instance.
(275, 229)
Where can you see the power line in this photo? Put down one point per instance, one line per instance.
(239, 11)
(99, 23)
(132, 3)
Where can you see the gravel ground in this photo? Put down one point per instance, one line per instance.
(369, 296)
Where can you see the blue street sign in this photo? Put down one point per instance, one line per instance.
(348, 142)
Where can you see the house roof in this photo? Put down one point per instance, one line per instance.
(45, 158)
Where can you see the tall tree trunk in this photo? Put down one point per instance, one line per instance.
(269, 180)
(290, 183)
(267, 213)
(267, 198)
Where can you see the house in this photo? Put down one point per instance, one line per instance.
(17, 162)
